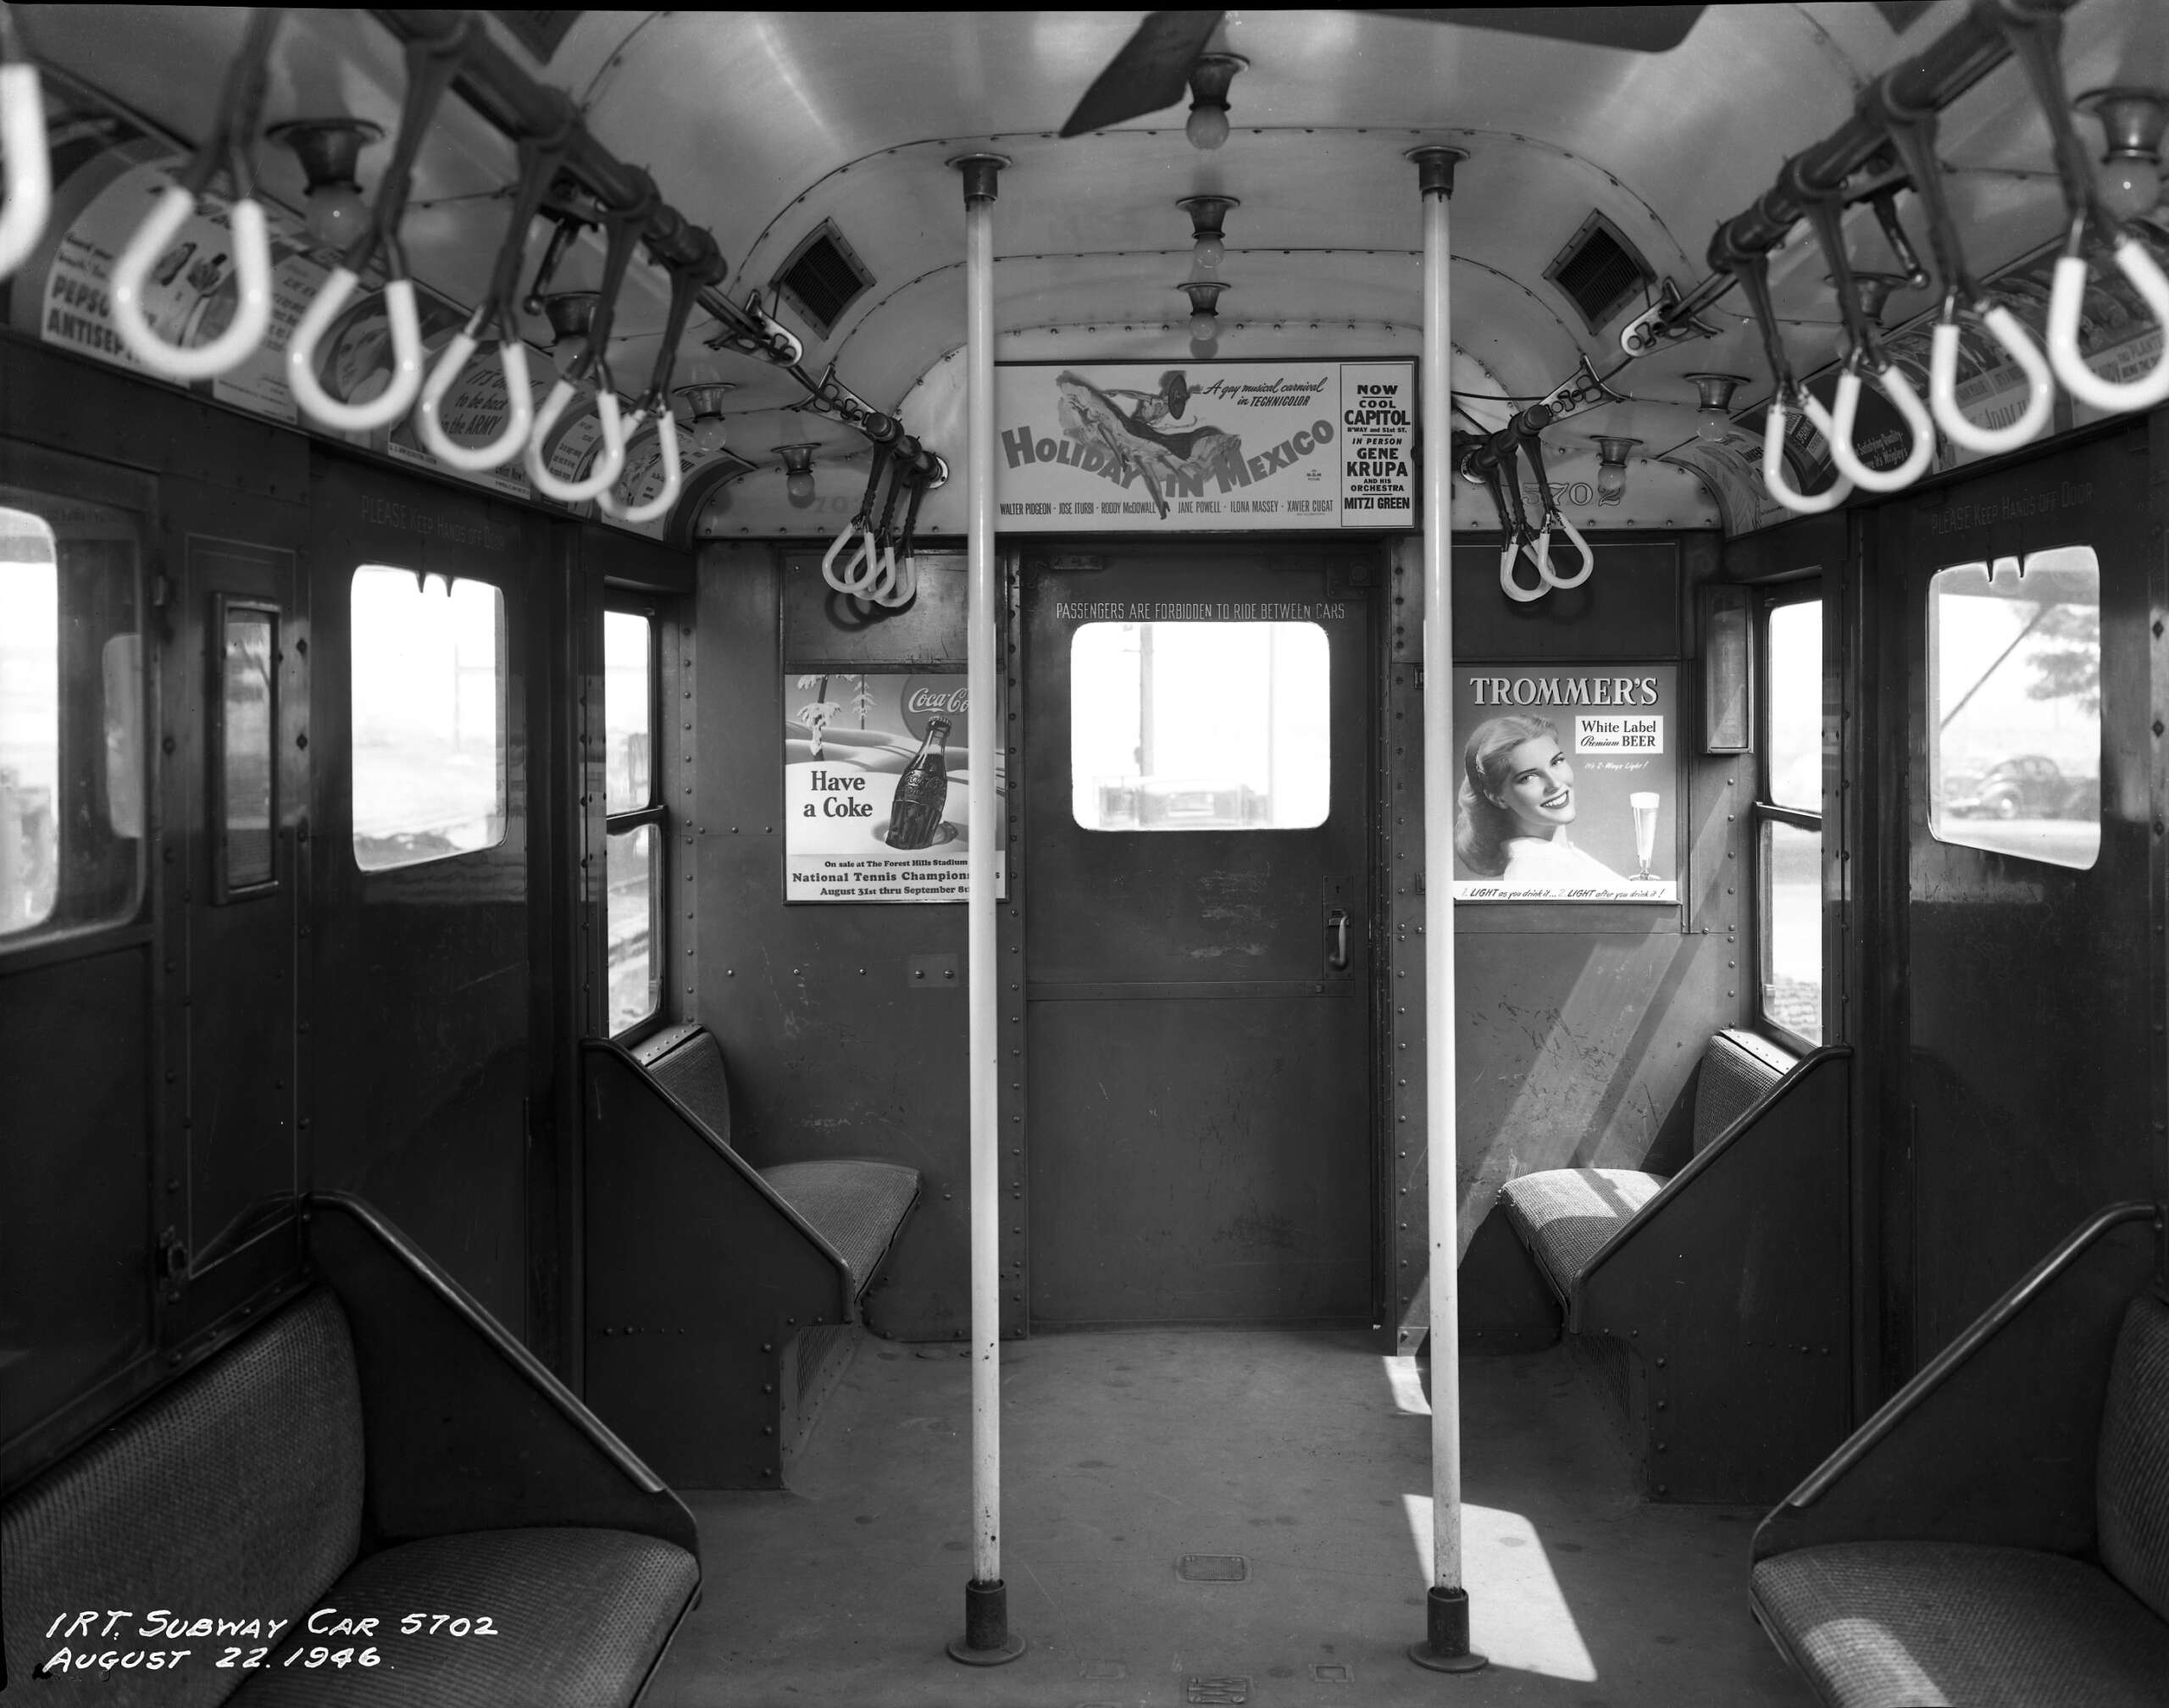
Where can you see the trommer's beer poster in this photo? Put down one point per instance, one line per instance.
(1565, 783)
(1189, 447)
(876, 792)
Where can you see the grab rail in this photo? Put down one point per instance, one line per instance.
(241, 106)
(1982, 1329)
(30, 167)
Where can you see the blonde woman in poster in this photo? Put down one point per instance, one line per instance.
(1515, 802)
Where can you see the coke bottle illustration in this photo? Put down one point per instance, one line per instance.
(915, 813)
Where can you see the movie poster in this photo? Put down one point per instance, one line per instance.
(1148, 447)
(876, 788)
(1567, 783)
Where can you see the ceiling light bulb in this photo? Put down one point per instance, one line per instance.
(799, 488)
(336, 213)
(1207, 127)
(1204, 328)
(1209, 251)
(2131, 186)
(1610, 483)
(1713, 392)
(708, 435)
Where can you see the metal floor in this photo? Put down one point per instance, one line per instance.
(1297, 1452)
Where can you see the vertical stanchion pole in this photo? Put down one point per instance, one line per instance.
(1444, 1647)
(987, 1638)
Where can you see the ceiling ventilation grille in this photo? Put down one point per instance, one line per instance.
(1600, 271)
(823, 278)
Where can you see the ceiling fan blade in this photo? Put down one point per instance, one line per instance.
(1152, 71)
(1637, 29)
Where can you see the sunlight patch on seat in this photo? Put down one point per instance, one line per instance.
(1518, 1614)
(1407, 1383)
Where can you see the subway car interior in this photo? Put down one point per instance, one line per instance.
(1096, 859)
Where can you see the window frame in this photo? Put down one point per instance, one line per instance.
(654, 811)
(1765, 809)
(66, 934)
(502, 682)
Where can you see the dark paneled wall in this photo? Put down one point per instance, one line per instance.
(1580, 1024)
(834, 1049)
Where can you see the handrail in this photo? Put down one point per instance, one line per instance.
(700, 1131)
(29, 169)
(464, 1306)
(508, 97)
(1983, 1327)
(1706, 1157)
(232, 134)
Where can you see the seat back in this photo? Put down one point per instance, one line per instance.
(687, 1062)
(2131, 1482)
(235, 1494)
(1738, 1070)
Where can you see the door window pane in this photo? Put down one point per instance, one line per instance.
(1796, 706)
(1199, 726)
(71, 733)
(1792, 928)
(249, 714)
(627, 702)
(2014, 706)
(429, 705)
(631, 871)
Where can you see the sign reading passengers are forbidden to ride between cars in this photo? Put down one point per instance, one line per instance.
(1151, 448)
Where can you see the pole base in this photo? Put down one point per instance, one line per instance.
(987, 1640)
(1444, 1647)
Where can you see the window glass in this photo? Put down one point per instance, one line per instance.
(1792, 928)
(1796, 706)
(2014, 706)
(428, 706)
(71, 734)
(1199, 726)
(627, 702)
(630, 858)
(249, 706)
(30, 719)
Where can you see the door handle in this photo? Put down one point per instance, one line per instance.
(1336, 922)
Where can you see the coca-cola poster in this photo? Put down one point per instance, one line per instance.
(1565, 783)
(877, 790)
(1195, 447)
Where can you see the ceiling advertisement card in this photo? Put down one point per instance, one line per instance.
(1144, 447)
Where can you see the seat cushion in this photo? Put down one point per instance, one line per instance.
(1959, 1625)
(856, 1205)
(235, 1494)
(689, 1066)
(1738, 1070)
(578, 1618)
(1565, 1214)
(2131, 1479)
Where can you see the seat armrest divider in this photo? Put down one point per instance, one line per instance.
(463, 1427)
(1994, 1441)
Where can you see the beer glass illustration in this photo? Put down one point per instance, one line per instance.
(1644, 806)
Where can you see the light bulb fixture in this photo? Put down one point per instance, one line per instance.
(1713, 417)
(328, 150)
(707, 437)
(570, 314)
(1875, 291)
(2131, 124)
(1611, 466)
(1208, 247)
(1210, 74)
(798, 465)
(1204, 295)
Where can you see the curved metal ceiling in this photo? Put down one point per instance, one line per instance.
(760, 126)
